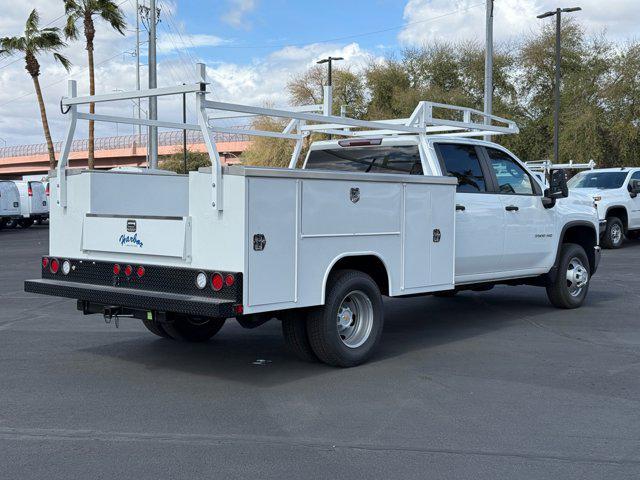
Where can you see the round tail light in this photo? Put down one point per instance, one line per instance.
(201, 280)
(229, 280)
(140, 271)
(217, 282)
(54, 265)
(45, 262)
(128, 270)
(116, 269)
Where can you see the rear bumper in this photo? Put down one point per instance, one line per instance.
(133, 298)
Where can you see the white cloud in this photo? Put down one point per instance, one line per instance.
(432, 20)
(238, 10)
(264, 81)
(172, 43)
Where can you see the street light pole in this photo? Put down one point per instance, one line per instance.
(328, 91)
(488, 67)
(556, 90)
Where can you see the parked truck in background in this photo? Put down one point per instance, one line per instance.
(615, 193)
(9, 203)
(394, 208)
(34, 202)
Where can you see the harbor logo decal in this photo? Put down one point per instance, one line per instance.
(130, 240)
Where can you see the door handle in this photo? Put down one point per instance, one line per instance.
(460, 208)
(511, 208)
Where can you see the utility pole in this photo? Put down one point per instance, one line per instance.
(488, 67)
(153, 83)
(138, 63)
(556, 88)
(184, 132)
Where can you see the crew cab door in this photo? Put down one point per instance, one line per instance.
(479, 212)
(529, 234)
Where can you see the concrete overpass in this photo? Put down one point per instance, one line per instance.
(128, 150)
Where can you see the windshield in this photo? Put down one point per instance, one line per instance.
(601, 180)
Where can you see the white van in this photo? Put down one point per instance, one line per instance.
(9, 202)
(34, 202)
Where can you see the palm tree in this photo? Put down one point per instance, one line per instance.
(35, 42)
(85, 10)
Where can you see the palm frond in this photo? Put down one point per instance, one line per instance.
(71, 29)
(71, 6)
(110, 12)
(32, 22)
(64, 61)
(10, 45)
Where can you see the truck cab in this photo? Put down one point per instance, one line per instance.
(615, 193)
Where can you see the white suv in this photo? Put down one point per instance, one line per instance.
(615, 192)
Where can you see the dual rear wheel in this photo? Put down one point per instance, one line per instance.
(345, 331)
(187, 328)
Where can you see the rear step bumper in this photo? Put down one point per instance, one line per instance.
(133, 299)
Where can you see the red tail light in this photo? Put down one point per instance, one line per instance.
(128, 270)
(45, 262)
(54, 265)
(229, 280)
(47, 190)
(30, 191)
(140, 271)
(217, 282)
(238, 309)
(116, 269)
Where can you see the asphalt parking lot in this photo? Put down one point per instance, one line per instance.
(485, 385)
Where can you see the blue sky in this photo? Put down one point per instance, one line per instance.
(254, 47)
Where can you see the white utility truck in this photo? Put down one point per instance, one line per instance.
(9, 203)
(615, 192)
(34, 203)
(391, 208)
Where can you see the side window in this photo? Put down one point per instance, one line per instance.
(395, 159)
(636, 176)
(461, 161)
(512, 178)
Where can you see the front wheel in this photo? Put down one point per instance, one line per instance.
(345, 331)
(614, 234)
(572, 282)
(191, 328)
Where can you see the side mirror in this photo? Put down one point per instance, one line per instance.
(557, 185)
(634, 187)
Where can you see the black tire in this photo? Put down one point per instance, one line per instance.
(156, 328)
(10, 223)
(25, 222)
(560, 291)
(294, 331)
(189, 328)
(322, 327)
(610, 239)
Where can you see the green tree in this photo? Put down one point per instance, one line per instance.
(37, 41)
(268, 151)
(348, 90)
(175, 162)
(83, 11)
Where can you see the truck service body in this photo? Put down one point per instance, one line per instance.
(390, 210)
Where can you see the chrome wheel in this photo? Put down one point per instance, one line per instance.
(616, 234)
(577, 276)
(355, 319)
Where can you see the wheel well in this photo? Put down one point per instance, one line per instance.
(585, 236)
(369, 264)
(619, 212)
